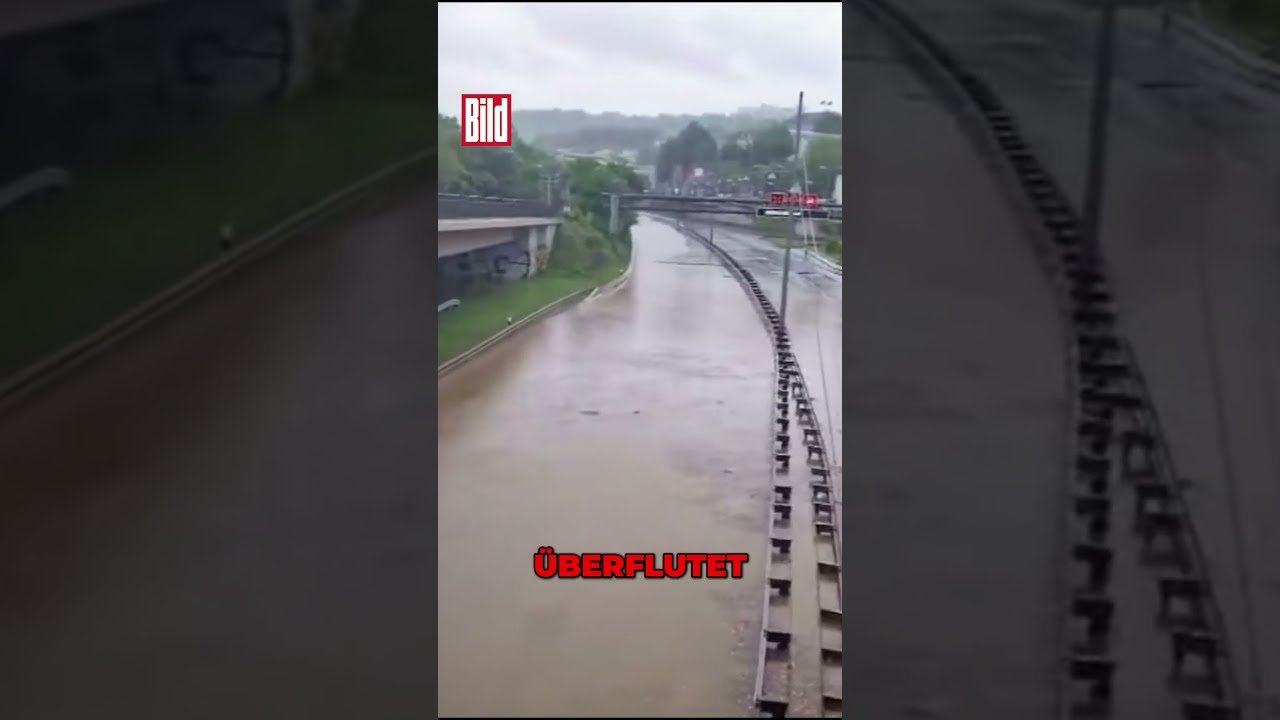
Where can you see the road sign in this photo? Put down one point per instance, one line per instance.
(815, 214)
(794, 199)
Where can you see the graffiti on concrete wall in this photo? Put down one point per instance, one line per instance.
(255, 57)
(511, 267)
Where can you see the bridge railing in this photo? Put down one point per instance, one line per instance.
(711, 205)
(459, 207)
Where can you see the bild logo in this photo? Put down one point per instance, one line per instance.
(486, 120)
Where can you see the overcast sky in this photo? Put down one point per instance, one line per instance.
(640, 58)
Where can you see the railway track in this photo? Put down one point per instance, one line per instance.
(1134, 572)
(804, 514)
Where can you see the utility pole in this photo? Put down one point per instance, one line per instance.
(1099, 114)
(786, 253)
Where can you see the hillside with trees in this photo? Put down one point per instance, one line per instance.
(539, 125)
(521, 171)
(754, 159)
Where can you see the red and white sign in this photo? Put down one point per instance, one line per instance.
(809, 200)
(486, 120)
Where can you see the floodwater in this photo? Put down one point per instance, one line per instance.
(222, 518)
(814, 320)
(634, 422)
(957, 407)
(1192, 231)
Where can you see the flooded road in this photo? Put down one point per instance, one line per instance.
(957, 408)
(814, 317)
(222, 518)
(1192, 232)
(634, 422)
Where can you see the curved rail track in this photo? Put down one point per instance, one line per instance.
(1123, 503)
(777, 692)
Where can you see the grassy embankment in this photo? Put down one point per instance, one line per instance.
(129, 228)
(1260, 19)
(829, 239)
(1256, 20)
(582, 258)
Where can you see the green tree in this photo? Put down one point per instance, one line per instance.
(697, 148)
(592, 181)
(825, 151)
(771, 144)
(453, 175)
(830, 123)
(824, 158)
(693, 147)
(514, 171)
(736, 149)
(667, 159)
(498, 163)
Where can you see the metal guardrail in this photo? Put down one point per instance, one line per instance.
(693, 204)
(464, 207)
(34, 378)
(816, 257)
(773, 686)
(551, 307)
(1241, 62)
(44, 180)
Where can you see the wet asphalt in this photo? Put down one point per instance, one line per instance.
(955, 412)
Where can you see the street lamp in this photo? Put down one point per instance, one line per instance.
(1099, 112)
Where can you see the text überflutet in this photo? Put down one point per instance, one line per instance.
(547, 563)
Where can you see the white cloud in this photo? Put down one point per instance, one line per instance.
(640, 58)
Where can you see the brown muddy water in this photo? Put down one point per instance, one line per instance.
(634, 422)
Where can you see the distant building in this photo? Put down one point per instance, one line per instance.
(627, 156)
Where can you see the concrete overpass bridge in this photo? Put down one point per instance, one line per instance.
(482, 240)
(490, 239)
(689, 204)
